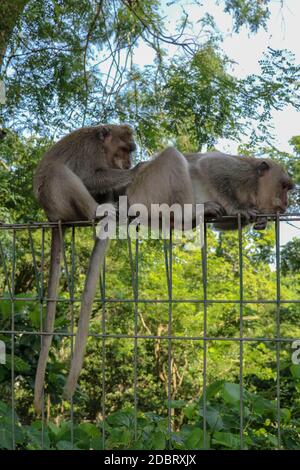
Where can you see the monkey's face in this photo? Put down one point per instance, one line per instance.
(119, 145)
(273, 188)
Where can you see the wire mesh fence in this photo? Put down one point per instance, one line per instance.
(10, 246)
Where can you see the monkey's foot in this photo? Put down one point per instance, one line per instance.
(213, 209)
(260, 223)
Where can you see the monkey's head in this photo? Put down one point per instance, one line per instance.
(118, 143)
(273, 186)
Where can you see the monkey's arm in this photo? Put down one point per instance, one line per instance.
(107, 180)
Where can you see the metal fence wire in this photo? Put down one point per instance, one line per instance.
(8, 258)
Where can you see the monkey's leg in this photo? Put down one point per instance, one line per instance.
(54, 275)
(65, 197)
(90, 288)
(165, 179)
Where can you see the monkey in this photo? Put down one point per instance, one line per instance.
(242, 185)
(180, 183)
(2, 134)
(225, 184)
(79, 172)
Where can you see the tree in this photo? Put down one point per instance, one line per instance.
(65, 63)
(11, 13)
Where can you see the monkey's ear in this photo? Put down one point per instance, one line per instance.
(104, 133)
(262, 168)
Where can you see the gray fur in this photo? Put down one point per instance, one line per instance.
(77, 173)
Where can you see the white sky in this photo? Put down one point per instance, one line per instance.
(246, 50)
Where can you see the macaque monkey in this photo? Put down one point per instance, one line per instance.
(2, 134)
(225, 184)
(76, 174)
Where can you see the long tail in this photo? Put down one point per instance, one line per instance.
(54, 275)
(90, 288)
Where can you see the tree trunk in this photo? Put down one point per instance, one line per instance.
(10, 12)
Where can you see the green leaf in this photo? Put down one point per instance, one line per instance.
(53, 428)
(19, 364)
(6, 440)
(158, 441)
(227, 439)
(96, 443)
(66, 445)
(90, 429)
(285, 415)
(35, 317)
(120, 436)
(4, 409)
(213, 389)
(34, 436)
(190, 411)
(264, 407)
(273, 440)
(5, 308)
(194, 439)
(231, 393)
(120, 418)
(295, 371)
(64, 433)
(214, 419)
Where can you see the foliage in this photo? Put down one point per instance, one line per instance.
(70, 63)
(18, 159)
(247, 11)
(196, 101)
(109, 363)
(125, 429)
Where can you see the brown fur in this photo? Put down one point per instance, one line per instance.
(226, 184)
(77, 173)
(82, 167)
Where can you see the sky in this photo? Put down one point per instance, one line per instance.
(246, 49)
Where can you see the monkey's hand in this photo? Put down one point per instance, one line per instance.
(213, 209)
(248, 216)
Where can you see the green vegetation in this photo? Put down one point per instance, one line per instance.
(222, 419)
(50, 54)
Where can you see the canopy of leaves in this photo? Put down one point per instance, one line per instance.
(67, 63)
